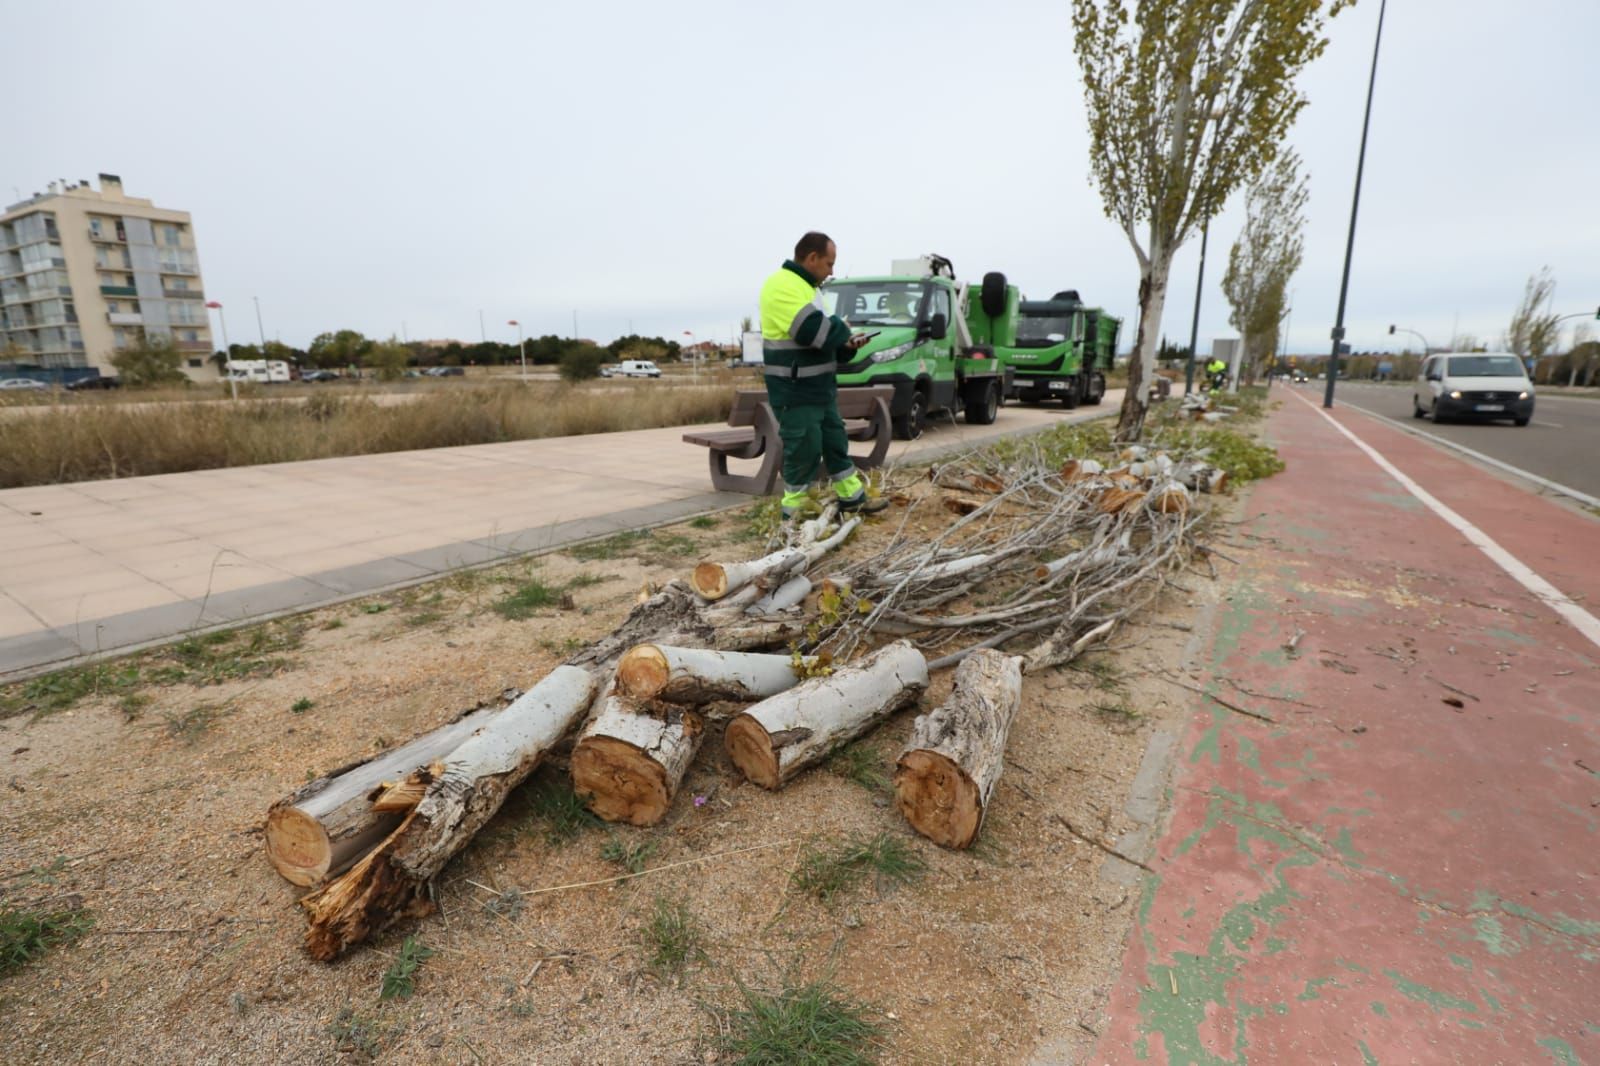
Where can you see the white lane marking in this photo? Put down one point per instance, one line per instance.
(1553, 486)
(1552, 425)
(1554, 598)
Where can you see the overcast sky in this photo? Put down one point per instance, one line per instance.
(402, 166)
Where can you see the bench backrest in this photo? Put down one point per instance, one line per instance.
(746, 402)
(858, 401)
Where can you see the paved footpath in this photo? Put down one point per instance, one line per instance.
(103, 565)
(1403, 865)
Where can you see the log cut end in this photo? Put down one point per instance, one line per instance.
(619, 782)
(368, 898)
(938, 798)
(710, 581)
(298, 846)
(752, 751)
(643, 672)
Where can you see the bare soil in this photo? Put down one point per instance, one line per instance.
(997, 955)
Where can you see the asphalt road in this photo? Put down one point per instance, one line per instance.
(1561, 444)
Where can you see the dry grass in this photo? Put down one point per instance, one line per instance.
(85, 442)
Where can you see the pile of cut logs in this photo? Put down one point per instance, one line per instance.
(1061, 554)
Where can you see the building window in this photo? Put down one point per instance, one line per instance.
(197, 363)
(94, 227)
(180, 284)
(191, 335)
(170, 235)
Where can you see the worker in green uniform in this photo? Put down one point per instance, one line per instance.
(801, 349)
(1217, 371)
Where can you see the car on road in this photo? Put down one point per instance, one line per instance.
(637, 368)
(319, 375)
(1477, 385)
(1298, 377)
(609, 370)
(23, 385)
(444, 372)
(102, 381)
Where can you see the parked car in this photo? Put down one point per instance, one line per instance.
(637, 368)
(101, 382)
(24, 384)
(319, 375)
(444, 372)
(1488, 385)
(609, 370)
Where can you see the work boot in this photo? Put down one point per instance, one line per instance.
(795, 503)
(864, 504)
(852, 494)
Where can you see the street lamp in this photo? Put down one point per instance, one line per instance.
(1426, 347)
(1194, 327)
(1355, 204)
(521, 347)
(694, 358)
(227, 355)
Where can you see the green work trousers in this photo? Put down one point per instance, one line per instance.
(812, 433)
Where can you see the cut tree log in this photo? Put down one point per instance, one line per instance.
(778, 737)
(946, 776)
(391, 882)
(1169, 498)
(628, 764)
(700, 675)
(791, 593)
(327, 824)
(713, 581)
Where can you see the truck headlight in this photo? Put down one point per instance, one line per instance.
(1455, 394)
(892, 353)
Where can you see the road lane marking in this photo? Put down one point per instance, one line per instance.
(1544, 482)
(1552, 425)
(1554, 598)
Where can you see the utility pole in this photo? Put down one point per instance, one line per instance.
(1194, 327)
(1355, 205)
(483, 334)
(260, 331)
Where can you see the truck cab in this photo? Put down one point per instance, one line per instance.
(1058, 349)
(916, 317)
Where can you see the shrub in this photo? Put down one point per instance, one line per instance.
(152, 361)
(582, 362)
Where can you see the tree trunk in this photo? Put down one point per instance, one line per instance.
(778, 737)
(1141, 365)
(698, 675)
(391, 882)
(628, 763)
(329, 823)
(791, 593)
(947, 774)
(713, 581)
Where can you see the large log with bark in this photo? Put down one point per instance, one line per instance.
(702, 675)
(947, 773)
(327, 824)
(780, 736)
(629, 762)
(460, 796)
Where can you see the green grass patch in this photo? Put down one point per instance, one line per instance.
(302, 705)
(399, 980)
(815, 1024)
(526, 598)
(52, 693)
(644, 544)
(861, 763)
(824, 872)
(630, 857)
(227, 655)
(561, 811)
(1055, 445)
(27, 933)
(704, 521)
(672, 938)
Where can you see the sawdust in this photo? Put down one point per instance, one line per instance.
(996, 954)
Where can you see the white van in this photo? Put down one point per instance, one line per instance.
(1487, 385)
(637, 368)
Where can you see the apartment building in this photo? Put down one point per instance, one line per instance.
(86, 272)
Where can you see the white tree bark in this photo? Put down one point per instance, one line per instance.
(700, 675)
(791, 593)
(713, 581)
(391, 882)
(946, 776)
(629, 763)
(329, 823)
(778, 737)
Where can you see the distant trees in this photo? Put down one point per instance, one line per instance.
(581, 362)
(1535, 331)
(346, 347)
(152, 360)
(1264, 257)
(389, 358)
(668, 349)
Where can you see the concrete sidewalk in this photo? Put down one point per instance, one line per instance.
(1384, 843)
(98, 566)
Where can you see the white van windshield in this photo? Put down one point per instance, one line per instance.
(1485, 366)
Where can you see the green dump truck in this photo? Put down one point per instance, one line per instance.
(1056, 349)
(922, 344)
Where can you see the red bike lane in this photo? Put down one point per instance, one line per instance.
(1402, 863)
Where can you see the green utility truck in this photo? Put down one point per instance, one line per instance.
(922, 344)
(1056, 349)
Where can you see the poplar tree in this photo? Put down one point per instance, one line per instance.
(1188, 101)
(1265, 256)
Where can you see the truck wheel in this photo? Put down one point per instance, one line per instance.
(982, 402)
(1073, 396)
(992, 298)
(1097, 390)
(909, 425)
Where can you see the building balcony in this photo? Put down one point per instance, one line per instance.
(168, 266)
(194, 346)
(125, 318)
(181, 294)
(118, 290)
(108, 236)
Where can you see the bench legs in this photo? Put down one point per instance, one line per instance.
(758, 484)
(882, 437)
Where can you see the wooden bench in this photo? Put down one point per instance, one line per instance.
(754, 435)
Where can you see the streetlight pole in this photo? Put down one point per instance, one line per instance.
(1194, 327)
(694, 358)
(1355, 204)
(227, 355)
(1425, 345)
(260, 331)
(521, 347)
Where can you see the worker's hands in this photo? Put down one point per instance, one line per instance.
(857, 340)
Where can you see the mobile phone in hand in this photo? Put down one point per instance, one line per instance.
(862, 338)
